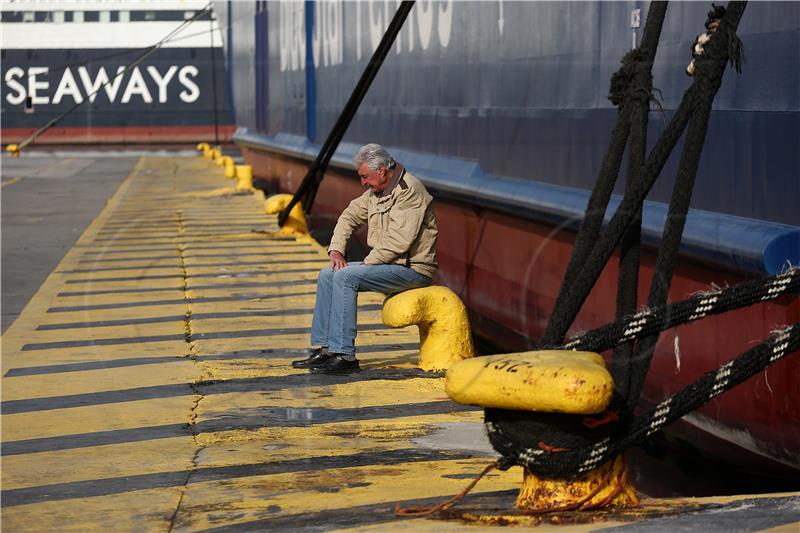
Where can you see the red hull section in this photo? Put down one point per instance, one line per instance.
(120, 135)
(508, 272)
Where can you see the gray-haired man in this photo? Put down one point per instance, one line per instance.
(402, 234)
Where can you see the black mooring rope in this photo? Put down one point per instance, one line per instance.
(511, 432)
(581, 454)
(630, 245)
(650, 321)
(709, 84)
(630, 89)
(698, 97)
(307, 189)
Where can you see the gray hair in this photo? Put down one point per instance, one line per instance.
(374, 155)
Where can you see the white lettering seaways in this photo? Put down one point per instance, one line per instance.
(193, 91)
(162, 81)
(35, 84)
(12, 84)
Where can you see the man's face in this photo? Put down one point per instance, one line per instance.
(374, 179)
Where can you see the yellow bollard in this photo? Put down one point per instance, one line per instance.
(214, 154)
(203, 147)
(605, 486)
(229, 166)
(444, 333)
(244, 177)
(220, 159)
(295, 222)
(552, 381)
(13, 149)
(548, 381)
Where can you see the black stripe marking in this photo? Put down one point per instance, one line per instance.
(196, 337)
(194, 288)
(221, 275)
(270, 353)
(200, 265)
(105, 487)
(174, 390)
(146, 239)
(177, 301)
(253, 243)
(188, 254)
(268, 417)
(195, 316)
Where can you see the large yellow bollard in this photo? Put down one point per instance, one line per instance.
(295, 222)
(549, 381)
(605, 486)
(244, 178)
(229, 166)
(444, 333)
(13, 149)
(203, 148)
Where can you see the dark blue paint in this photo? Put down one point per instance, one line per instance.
(229, 55)
(311, 84)
(531, 103)
(261, 58)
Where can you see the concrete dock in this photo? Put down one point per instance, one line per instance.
(146, 387)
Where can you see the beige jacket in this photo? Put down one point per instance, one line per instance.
(401, 226)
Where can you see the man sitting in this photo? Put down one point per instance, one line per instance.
(402, 234)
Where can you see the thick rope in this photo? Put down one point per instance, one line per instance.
(698, 97)
(510, 430)
(650, 321)
(580, 454)
(622, 360)
(630, 89)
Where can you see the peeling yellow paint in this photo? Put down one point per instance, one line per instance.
(605, 486)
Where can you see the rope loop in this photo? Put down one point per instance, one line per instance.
(623, 88)
(589, 453)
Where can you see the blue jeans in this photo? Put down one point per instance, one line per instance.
(335, 313)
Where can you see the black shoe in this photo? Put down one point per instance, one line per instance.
(336, 365)
(317, 357)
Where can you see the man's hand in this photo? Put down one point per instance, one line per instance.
(337, 261)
